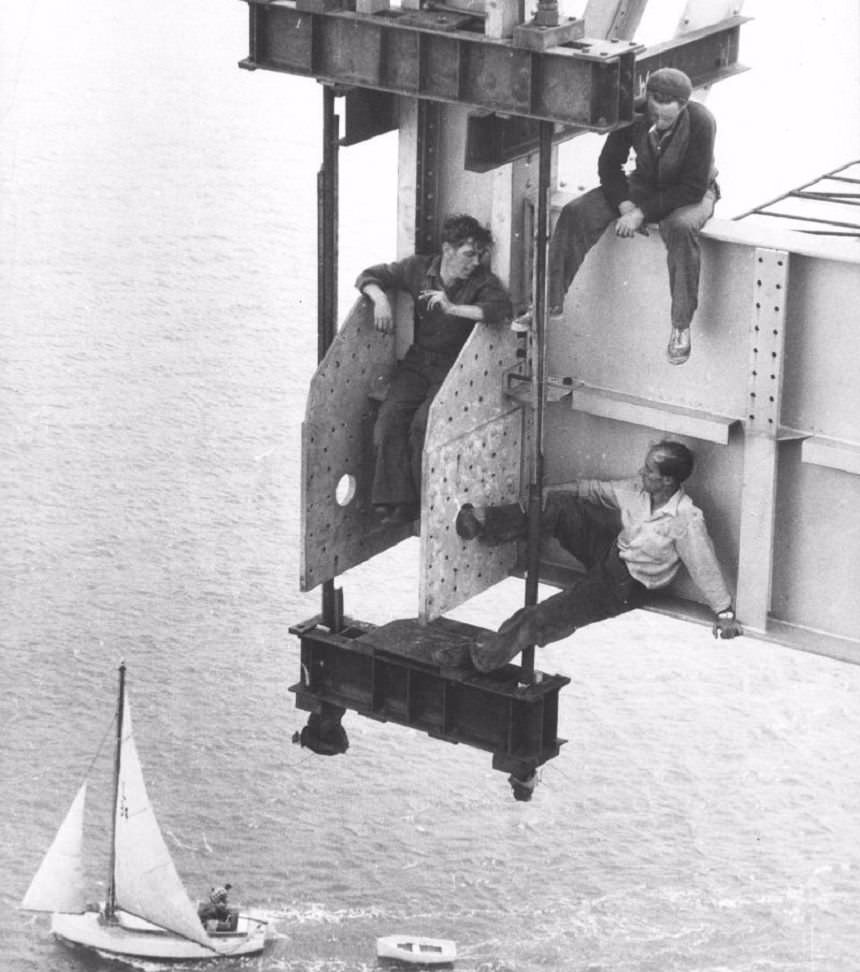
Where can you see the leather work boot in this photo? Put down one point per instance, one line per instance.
(470, 522)
(492, 524)
(494, 651)
(680, 346)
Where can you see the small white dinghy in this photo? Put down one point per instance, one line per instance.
(416, 949)
(147, 914)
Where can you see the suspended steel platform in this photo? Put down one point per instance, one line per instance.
(388, 673)
(765, 402)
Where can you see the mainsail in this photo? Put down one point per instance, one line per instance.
(147, 884)
(59, 883)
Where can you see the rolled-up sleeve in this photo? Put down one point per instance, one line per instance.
(493, 299)
(604, 492)
(696, 550)
(401, 275)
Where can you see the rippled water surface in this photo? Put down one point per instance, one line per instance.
(158, 331)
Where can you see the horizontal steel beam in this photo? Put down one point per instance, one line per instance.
(386, 674)
(707, 55)
(587, 83)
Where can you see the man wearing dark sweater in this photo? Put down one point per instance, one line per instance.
(673, 183)
(451, 291)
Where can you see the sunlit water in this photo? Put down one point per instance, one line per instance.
(158, 331)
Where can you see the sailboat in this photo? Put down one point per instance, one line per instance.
(147, 913)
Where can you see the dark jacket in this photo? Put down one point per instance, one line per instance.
(675, 174)
(435, 331)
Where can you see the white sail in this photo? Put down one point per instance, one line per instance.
(58, 885)
(147, 884)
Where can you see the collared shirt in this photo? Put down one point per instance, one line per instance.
(653, 545)
(436, 331)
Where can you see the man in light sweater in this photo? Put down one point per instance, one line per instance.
(631, 535)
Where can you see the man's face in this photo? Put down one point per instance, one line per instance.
(461, 261)
(663, 110)
(652, 479)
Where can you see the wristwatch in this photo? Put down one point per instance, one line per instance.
(727, 615)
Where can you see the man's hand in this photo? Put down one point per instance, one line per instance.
(437, 298)
(727, 627)
(383, 319)
(629, 222)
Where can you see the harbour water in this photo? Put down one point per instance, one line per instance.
(157, 331)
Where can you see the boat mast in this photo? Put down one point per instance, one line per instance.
(110, 903)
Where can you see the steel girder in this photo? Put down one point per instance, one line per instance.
(587, 83)
(386, 674)
(707, 55)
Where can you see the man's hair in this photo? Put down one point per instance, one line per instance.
(458, 228)
(676, 460)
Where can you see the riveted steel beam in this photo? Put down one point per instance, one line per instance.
(761, 436)
(707, 55)
(387, 674)
(427, 178)
(587, 83)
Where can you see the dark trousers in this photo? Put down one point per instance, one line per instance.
(398, 434)
(582, 222)
(589, 532)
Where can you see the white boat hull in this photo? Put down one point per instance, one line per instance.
(417, 950)
(139, 939)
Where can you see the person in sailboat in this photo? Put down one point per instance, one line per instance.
(216, 908)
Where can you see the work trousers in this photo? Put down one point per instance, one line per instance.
(398, 434)
(590, 533)
(582, 222)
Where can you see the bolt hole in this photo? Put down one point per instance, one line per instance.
(344, 492)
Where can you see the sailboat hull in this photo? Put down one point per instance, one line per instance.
(145, 941)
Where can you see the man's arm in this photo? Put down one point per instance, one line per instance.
(376, 280)
(696, 550)
(613, 181)
(597, 491)
(610, 168)
(492, 299)
(438, 298)
(485, 299)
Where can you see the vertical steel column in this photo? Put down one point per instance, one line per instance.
(535, 502)
(427, 181)
(761, 428)
(327, 259)
(327, 211)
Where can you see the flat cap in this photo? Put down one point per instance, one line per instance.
(670, 82)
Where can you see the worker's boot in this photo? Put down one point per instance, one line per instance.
(491, 524)
(492, 651)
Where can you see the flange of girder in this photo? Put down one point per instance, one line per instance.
(587, 83)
